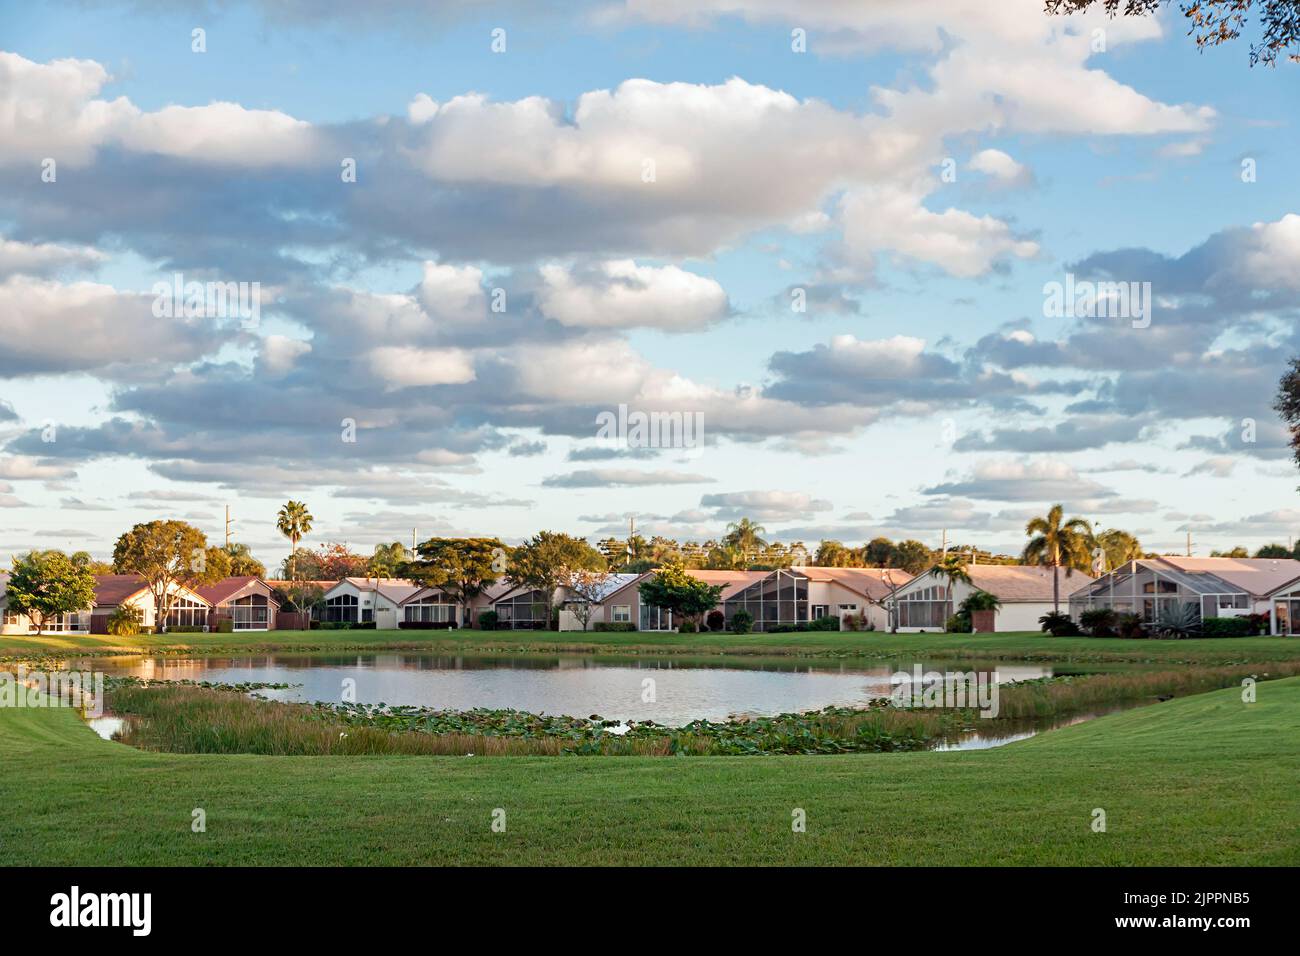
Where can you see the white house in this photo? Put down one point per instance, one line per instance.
(112, 591)
(927, 601)
(367, 600)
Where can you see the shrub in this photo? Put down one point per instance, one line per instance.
(1099, 621)
(827, 622)
(717, 621)
(186, 629)
(125, 621)
(613, 626)
(426, 625)
(225, 626)
(958, 624)
(1227, 627)
(487, 621)
(741, 622)
(1262, 623)
(687, 626)
(1058, 624)
(1182, 621)
(1130, 626)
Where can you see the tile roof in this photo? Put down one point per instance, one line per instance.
(1024, 582)
(227, 588)
(113, 589)
(1257, 576)
(732, 581)
(875, 583)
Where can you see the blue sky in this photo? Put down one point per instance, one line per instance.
(924, 389)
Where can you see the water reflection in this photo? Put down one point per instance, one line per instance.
(668, 691)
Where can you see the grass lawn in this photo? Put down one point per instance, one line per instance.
(1197, 780)
(1026, 646)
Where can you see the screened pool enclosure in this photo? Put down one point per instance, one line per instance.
(780, 598)
(1152, 590)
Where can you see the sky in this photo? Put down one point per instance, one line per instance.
(837, 236)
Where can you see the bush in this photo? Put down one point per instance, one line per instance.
(226, 626)
(827, 622)
(686, 627)
(426, 625)
(1130, 626)
(1058, 624)
(741, 622)
(717, 621)
(1262, 623)
(125, 621)
(958, 624)
(1099, 621)
(613, 626)
(344, 626)
(1227, 627)
(186, 629)
(487, 621)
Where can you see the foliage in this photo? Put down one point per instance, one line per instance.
(827, 622)
(167, 554)
(716, 621)
(1213, 22)
(388, 560)
(1099, 621)
(294, 522)
(546, 560)
(741, 622)
(673, 588)
(958, 624)
(462, 567)
(1130, 626)
(686, 626)
(951, 568)
(225, 626)
(1273, 551)
(590, 587)
(125, 621)
(1058, 624)
(487, 621)
(613, 626)
(1227, 627)
(981, 601)
(1181, 621)
(46, 584)
(242, 562)
(1056, 542)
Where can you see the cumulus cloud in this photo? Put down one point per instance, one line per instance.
(999, 480)
(621, 478)
(622, 294)
(764, 505)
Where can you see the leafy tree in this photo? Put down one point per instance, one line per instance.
(912, 556)
(546, 560)
(1213, 22)
(1237, 552)
(218, 563)
(167, 554)
(388, 560)
(676, 589)
(83, 559)
(1273, 551)
(880, 553)
(294, 522)
(833, 554)
(305, 562)
(242, 562)
(46, 584)
(1056, 542)
(725, 558)
(336, 562)
(463, 567)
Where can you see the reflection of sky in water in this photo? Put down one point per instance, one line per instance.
(577, 686)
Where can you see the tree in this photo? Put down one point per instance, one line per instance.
(745, 536)
(305, 562)
(463, 567)
(912, 556)
(881, 553)
(1055, 543)
(674, 588)
(590, 587)
(167, 554)
(546, 560)
(336, 561)
(724, 558)
(833, 554)
(46, 584)
(84, 560)
(1213, 22)
(294, 521)
(952, 569)
(1273, 551)
(1237, 552)
(388, 559)
(1120, 547)
(242, 562)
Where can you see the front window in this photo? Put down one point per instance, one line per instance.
(431, 609)
(655, 618)
(821, 610)
(186, 612)
(341, 610)
(622, 614)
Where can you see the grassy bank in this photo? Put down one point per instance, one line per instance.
(860, 644)
(183, 718)
(1198, 780)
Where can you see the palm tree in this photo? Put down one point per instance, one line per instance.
(294, 521)
(745, 536)
(1120, 547)
(1055, 543)
(951, 567)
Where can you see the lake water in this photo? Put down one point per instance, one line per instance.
(669, 692)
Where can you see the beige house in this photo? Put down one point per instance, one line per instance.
(927, 601)
(367, 600)
(112, 591)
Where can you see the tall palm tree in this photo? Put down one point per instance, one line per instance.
(745, 535)
(952, 569)
(1056, 542)
(294, 521)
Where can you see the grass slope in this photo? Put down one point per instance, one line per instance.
(1198, 780)
(1027, 646)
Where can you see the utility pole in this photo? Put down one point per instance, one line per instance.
(1189, 543)
(945, 542)
(412, 544)
(228, 524)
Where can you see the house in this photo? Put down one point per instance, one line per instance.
(1216, 587)
(1026, 591)
(367, 600)
(248, 602)
(113, 591)
(521, 607)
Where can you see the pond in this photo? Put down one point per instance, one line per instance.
(667, 691)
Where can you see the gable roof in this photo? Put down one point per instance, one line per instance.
(732, 581)
(396, 590)
(875, 583)
(1255, 576)
(113, 589)
(228, 588)
(1013, 583)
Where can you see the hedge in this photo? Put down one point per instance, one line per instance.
(613, 626)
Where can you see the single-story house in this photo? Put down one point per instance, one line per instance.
(366, 600)
(112, 591)
(1216, 587)
(521, 607)
(1026, 591)
(247, 601)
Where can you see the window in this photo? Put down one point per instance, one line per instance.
(76, 621)
(655, 618)
(622, 614)
(250, 613)
(924, 607)
(821, 610)
(431, 609)
(186, 612)
(341, 609)
(779, 598)
(11, 617)
(848, 607)
(528, 610)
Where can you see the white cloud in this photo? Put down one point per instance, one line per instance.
(45, 257)
(403, 366)
(622, 294)
(998, 165)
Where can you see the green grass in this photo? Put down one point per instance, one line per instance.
(1024, 646)
(1198, 780)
